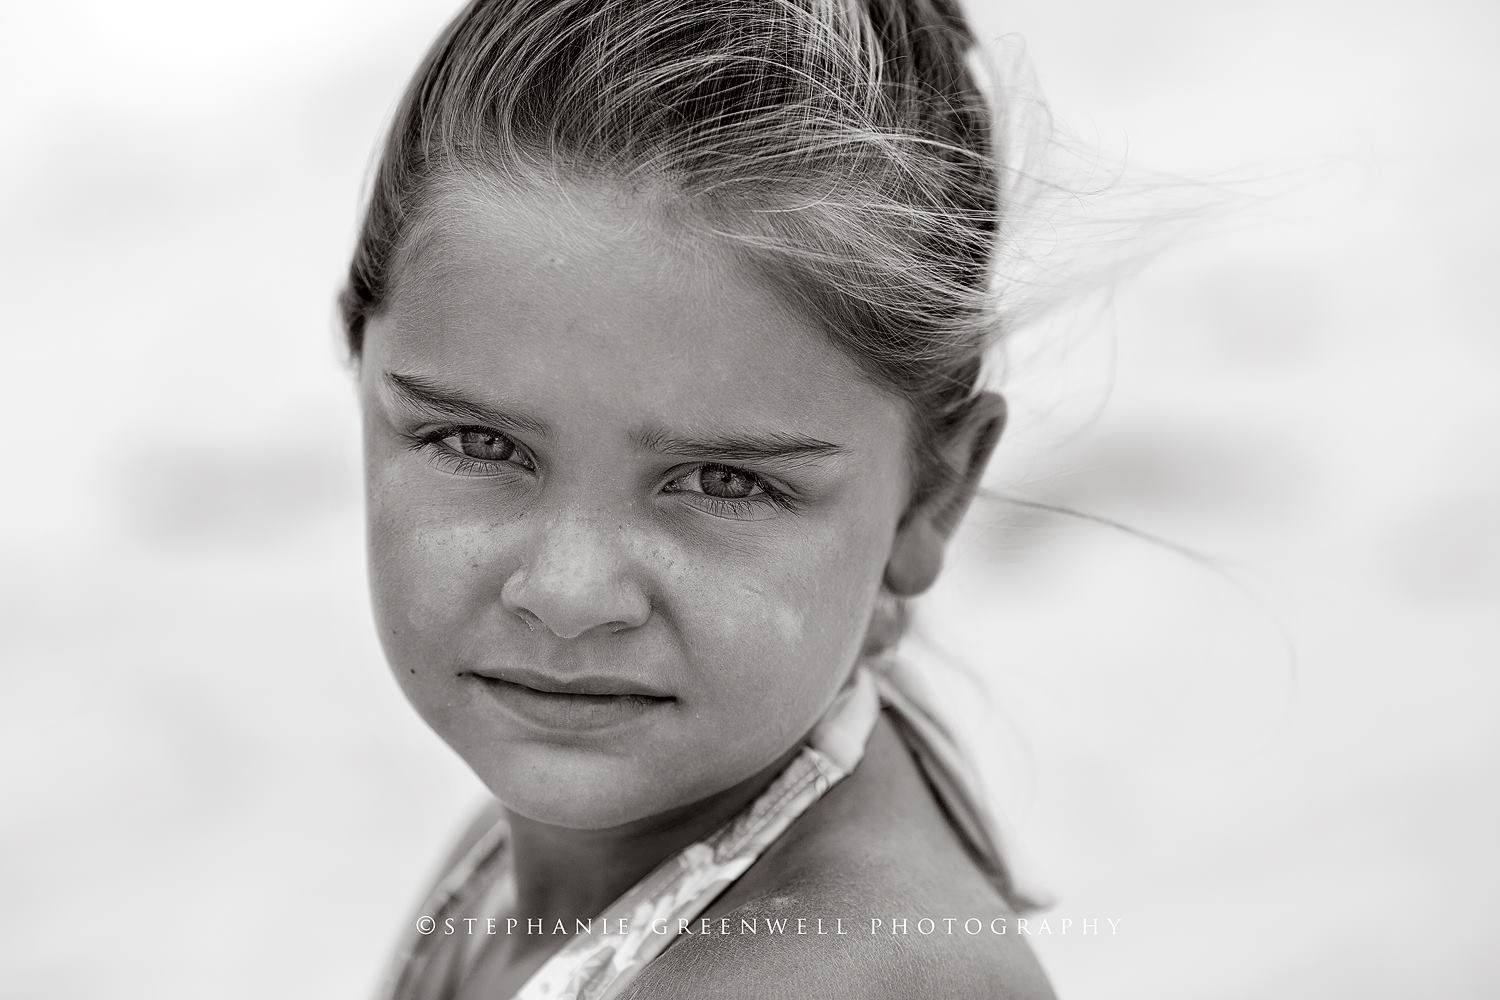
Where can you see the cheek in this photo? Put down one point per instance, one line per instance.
(425, 574)
(411, 575)
(790, 622)
(780, 630)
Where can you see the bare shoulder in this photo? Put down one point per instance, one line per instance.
(829, 942)
(868, 895)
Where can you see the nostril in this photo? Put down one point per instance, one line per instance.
(531, 620)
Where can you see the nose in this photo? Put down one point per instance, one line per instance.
(579, 577)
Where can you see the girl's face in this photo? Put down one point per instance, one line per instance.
(606, 464)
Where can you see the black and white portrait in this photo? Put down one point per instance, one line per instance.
(603, 499)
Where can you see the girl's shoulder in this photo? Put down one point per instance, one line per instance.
(895, 939)
(870, 894)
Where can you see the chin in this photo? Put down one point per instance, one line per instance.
(562, 796)
(580, 814)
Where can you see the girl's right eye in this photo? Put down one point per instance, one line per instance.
(473, 451)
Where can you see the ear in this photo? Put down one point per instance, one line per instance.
(922, 535)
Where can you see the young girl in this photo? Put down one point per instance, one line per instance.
(668, 317)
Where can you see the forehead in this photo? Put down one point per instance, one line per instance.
(589, 294)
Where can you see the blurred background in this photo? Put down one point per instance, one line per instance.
(1276, 769)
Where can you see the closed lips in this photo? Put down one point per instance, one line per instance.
(591, 685)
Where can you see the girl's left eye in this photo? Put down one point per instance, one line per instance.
(724, 482)
(732, 492)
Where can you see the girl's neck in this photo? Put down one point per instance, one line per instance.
(567, 874)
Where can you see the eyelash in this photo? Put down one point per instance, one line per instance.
(463, 465)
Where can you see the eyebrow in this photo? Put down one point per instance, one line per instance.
(424, 393)
(769, 447)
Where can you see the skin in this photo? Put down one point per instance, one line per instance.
(575, 551)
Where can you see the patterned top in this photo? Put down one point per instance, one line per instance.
(609, 951)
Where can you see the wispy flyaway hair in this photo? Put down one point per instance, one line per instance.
(840, 147)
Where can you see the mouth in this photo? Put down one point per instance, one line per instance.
(589, 686)
(571, 705)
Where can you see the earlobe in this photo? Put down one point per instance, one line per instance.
(916, 558)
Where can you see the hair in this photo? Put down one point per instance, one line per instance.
(841, 149)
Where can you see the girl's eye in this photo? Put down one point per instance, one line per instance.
(725, 482)
(732, 492)
(473, 451)
(482, 445)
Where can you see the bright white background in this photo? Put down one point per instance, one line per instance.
(212, 788)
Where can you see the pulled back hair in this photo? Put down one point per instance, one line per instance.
(841, 147)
